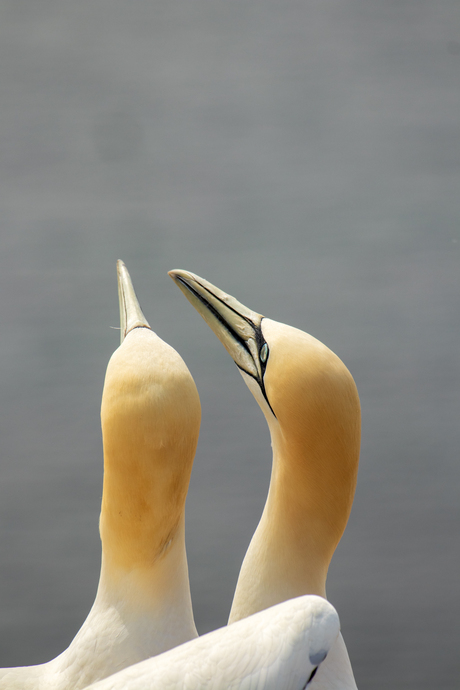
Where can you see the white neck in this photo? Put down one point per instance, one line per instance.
(136, 614)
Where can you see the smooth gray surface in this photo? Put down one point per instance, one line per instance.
(305, 157)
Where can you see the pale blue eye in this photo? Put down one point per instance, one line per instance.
(263, 352)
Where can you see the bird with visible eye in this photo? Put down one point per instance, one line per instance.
(264, 353)
(143, 605)
(312, 408)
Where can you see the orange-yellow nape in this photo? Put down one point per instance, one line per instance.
(150, 423)
(312, 408)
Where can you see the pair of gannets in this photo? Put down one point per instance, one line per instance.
(150, 420)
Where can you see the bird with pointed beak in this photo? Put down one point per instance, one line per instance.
(150, 419)
(311, 405)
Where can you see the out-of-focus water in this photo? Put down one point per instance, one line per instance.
(305, 157)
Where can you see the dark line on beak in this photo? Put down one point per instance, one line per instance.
(236, 336)
(218, 316)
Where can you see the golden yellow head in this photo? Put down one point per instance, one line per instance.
(318, 424)
(311, 404)
(150, 419)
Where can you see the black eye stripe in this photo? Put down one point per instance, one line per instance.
(261, 385)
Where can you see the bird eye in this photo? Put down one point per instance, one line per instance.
(263, 353)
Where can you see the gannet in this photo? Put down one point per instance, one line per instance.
(312, 408)
(150, 419)
(280, 648)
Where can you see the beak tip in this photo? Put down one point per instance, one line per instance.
(131, 315)
(180, 277)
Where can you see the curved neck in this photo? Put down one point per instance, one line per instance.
(311, 490)
(307, 508)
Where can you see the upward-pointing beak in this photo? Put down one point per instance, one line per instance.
(131, 315)
(236, 326)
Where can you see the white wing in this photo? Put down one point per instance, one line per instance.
(277, 649)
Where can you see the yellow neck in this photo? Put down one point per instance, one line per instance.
(315, 464)
(141, 511)
(150, 422)
(159, 588)
(144, 563)
(313, 483)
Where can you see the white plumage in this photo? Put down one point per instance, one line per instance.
(311, 405)
(277, 649)
(143, 605)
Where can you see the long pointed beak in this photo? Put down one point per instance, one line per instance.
(236, 326)
(131, 315)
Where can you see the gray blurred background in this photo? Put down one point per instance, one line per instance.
(302, 155)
